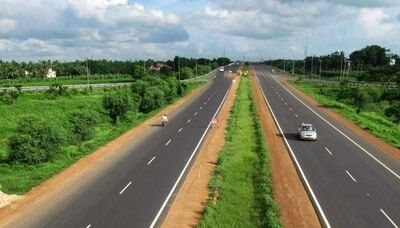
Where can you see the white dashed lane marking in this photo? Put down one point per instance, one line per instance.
(328, 151)
(168, 142)
(148, 163)
(348, 173)
(388, 218)
(122, 191)
(180, 130)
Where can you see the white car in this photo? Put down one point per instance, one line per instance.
(221, 69)
(307, 132)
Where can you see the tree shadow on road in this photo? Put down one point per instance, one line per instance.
(289, 136)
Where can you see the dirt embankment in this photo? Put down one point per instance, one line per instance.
(187, 208)
(380, 144)
(52, 189)
(295, 206)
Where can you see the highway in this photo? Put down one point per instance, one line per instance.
(135, 191)
(351, 182)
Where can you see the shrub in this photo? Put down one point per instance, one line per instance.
(139, 87)
(34, 141)
(152, 99)
(117, 104)
(83, 123)
(361, 97)
(55, 90)
(6, 98)
(394, 111)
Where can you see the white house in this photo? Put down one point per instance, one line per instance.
(51, 73)
(392, 62)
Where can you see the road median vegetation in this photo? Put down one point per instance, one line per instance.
(241, 188)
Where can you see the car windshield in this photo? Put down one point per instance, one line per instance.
(307, 128)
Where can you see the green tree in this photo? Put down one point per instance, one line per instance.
(83, 123)
(360, 98)
(34, 141)
(186, 73)
(139, 87)
(117, 104)
(152, 99)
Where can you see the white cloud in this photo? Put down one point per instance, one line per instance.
(7, 24)
(375, 22)
(208, 11)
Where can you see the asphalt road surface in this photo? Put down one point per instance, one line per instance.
(352, 183)
(136, 191)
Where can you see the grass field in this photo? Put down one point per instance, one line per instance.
(372, 119)
(17, 179)
(241, 190)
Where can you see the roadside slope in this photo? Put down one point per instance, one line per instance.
(52, 190)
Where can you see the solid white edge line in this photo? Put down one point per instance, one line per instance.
(180, 129)
(348, 173)
(186, 166)
(347, 137)
(303, 176)
(123, 190)
(168, 142)
(148, 163)
(328, 151)
(387, 216)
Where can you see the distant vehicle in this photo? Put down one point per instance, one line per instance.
(307, 132)
(221, 69)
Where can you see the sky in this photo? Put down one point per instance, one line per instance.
(160, 29)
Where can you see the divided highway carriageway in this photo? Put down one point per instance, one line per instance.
(350, 181)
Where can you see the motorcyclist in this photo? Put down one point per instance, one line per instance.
(164, 119)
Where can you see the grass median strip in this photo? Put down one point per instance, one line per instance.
(241, 188)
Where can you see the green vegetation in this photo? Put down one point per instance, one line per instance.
(33, 73)
(70, 80)
(41, 134)
(373, 109)
(241, 191)
(369, 64)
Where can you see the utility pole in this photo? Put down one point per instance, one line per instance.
(320, 68)
(341, 65)
(284, 64)
(144, 66)
(293, 62)
(87, 72)
(196, 66)
(312, 65)
(179, 69)
(305, 58)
